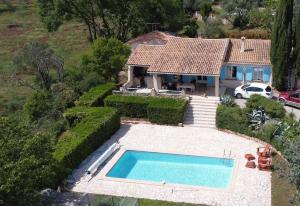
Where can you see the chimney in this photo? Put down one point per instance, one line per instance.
(243, 39)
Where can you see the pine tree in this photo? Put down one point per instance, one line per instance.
(297, 43)
(282, 38)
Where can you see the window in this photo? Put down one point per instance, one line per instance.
(231, 72)
(202, 78)
(297, 95)
(258, 74)
(256, 89)
(250, 89)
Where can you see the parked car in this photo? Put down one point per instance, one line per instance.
(245, 91)
(291, 98)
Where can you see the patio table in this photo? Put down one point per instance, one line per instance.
(186, 86)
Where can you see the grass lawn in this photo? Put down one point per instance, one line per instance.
(282, 190)
(22, 26)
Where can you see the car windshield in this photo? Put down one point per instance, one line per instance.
(245, 86)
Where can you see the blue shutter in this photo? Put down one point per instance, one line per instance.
(267, 74)
(223, 73)
(240, 73)
(249, 73)
(210, 81)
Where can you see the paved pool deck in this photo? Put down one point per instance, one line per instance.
(248, 186)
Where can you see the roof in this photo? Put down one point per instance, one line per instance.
(144, 55)
(257, 51)
(199, 56)
(152, 38)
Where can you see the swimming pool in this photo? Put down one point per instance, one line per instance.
(173, 168)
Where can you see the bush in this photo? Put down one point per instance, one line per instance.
(266, 133)
(95, 127)
(273, 108)
(166, 111)
(96, 95)
(129, 106)
(232, 118)
(249, 34)
(158, 110)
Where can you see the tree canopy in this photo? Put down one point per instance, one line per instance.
(121, 19)
(107, 58)
(282, 40)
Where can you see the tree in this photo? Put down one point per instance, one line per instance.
(281, 45)
(190, 29)
(261, 18)
(26, 163)
(107, 58)
(205, 9)
(238, 10)
(191, 6)
(120, 19)
(297, 44)
(39, 59)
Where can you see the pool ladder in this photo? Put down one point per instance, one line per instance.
(226, 157)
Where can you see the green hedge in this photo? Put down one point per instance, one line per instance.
(232, 118)
(129, 106)
(95, 126)
(272, 108)
(95, 96)
(166, 111)
(156, 109)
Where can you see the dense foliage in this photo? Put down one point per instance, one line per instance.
(166, 111)
(120, 19)
(157, 110)
(273, 108)
(282, 40)
(96, 95)
(107, 58)
(94, 126)
(26, 163)
(232, 118)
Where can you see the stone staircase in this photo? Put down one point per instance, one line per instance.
(201, 112)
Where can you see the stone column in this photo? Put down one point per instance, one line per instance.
(217, 85)
(244, 74)
(155, 82)
(130, 77)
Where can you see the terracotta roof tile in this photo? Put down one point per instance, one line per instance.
(191, 56)
(257, 51)
(144, 55)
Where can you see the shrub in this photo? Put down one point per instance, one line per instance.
(166, 111)
(158, 110)
(273, 108)
(266, 133)
(96, 95)
(232, 118)
(227, 100)
(95, 127)
(129, 106)
(249, 34)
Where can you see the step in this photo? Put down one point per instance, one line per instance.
(203, 105)
(201, 126)
(203, 118)
(207, 101)
(201, 110)
(199, 121)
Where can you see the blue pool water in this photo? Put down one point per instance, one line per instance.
(173, 168)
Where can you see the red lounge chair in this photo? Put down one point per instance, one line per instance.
(266, 152)
(249, 157)
(251, 164)
(263, 160)
(264, 167)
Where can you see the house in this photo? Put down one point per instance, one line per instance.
(197, 63)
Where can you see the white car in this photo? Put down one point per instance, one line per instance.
(245, 91)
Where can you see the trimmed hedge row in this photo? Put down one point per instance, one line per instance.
(272, 108)
(95, 96)
(166, 111)
(156, 109)
(94, 126)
